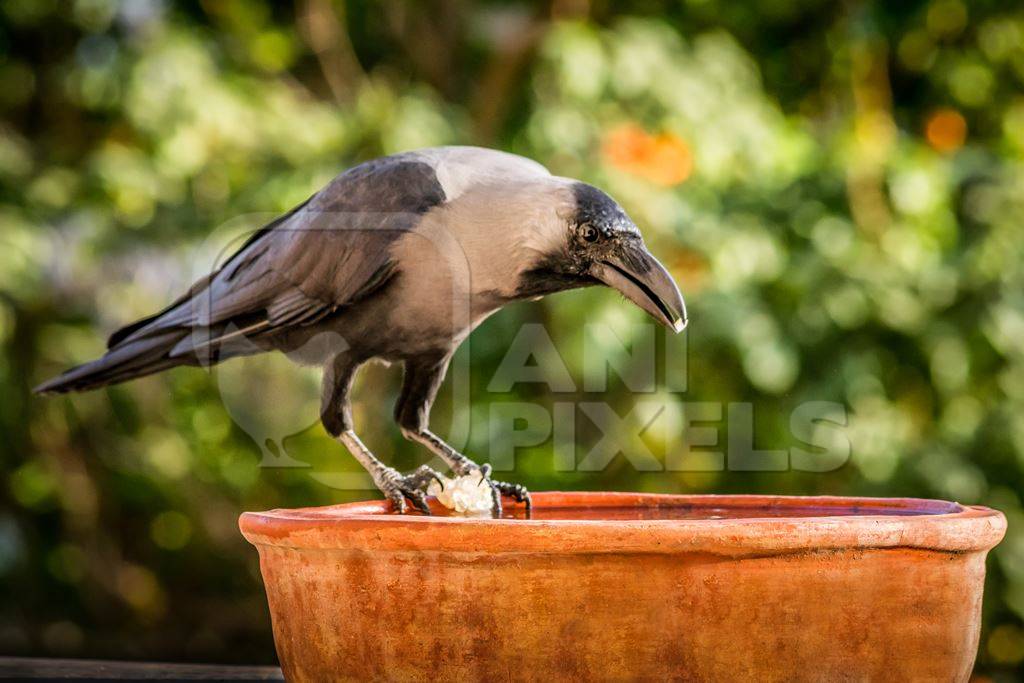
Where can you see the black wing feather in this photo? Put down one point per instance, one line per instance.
(327, 253)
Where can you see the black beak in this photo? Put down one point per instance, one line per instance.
(641, 279)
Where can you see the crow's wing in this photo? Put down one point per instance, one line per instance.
(326, 254)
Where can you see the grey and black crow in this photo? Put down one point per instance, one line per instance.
(398, 259)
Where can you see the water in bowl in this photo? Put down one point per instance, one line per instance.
(708, 512)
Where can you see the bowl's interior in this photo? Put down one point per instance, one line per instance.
(700, 512)
(600, 507)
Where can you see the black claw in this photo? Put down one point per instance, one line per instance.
(516, 491)
(419, 501)
(398, 488)
(496, 499)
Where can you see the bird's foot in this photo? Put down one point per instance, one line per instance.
(398, 487)
(498, 488)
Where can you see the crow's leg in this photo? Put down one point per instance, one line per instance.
(336, 414)
(423, 377)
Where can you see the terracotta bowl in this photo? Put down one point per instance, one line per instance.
(622, 586)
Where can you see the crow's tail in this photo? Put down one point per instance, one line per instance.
(127, 360)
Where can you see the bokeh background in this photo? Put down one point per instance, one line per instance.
(837, 186)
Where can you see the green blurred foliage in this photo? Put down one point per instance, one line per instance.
(848, 229)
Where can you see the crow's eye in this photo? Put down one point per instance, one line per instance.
(589, 233)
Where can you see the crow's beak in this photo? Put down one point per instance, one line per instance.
(641, 279)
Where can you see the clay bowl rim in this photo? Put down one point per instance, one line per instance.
(937, 525)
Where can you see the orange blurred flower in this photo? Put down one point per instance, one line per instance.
(946, 130)
(663, 159)
(625, 144)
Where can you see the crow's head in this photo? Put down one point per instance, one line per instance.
(595, 242)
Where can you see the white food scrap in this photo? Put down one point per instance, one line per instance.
(467, 494)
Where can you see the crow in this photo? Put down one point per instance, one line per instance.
(397, 259)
